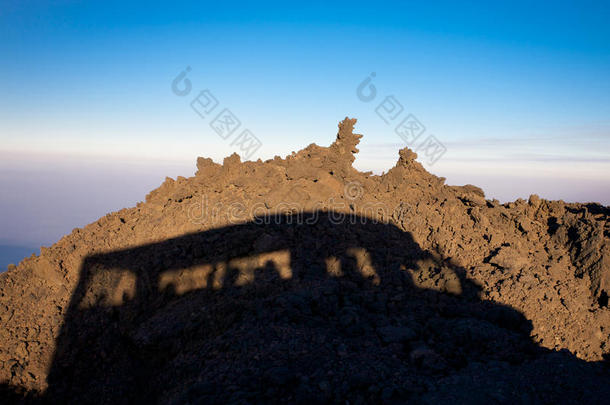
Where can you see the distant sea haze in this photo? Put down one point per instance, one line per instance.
(14, 254)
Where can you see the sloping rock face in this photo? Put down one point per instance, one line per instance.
(304, 280)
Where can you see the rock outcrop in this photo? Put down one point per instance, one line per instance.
(301, 279)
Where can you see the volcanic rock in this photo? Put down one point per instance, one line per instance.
(301, 279)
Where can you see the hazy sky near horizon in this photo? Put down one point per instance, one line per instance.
(518, 93)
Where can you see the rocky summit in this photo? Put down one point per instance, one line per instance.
(304, 280)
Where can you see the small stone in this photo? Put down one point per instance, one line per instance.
(342, 350)
(387, 393)
(279, 375)
(324, 386)
(396, 334)
(534, 200)
(509, 259)
(428, 359)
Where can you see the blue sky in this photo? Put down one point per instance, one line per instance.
(519, 94)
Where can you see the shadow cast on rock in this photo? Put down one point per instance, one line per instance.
(316, 307)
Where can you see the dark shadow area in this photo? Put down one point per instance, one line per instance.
(593, 208)
(314, 308)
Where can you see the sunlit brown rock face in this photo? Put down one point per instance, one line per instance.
(302, 279)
